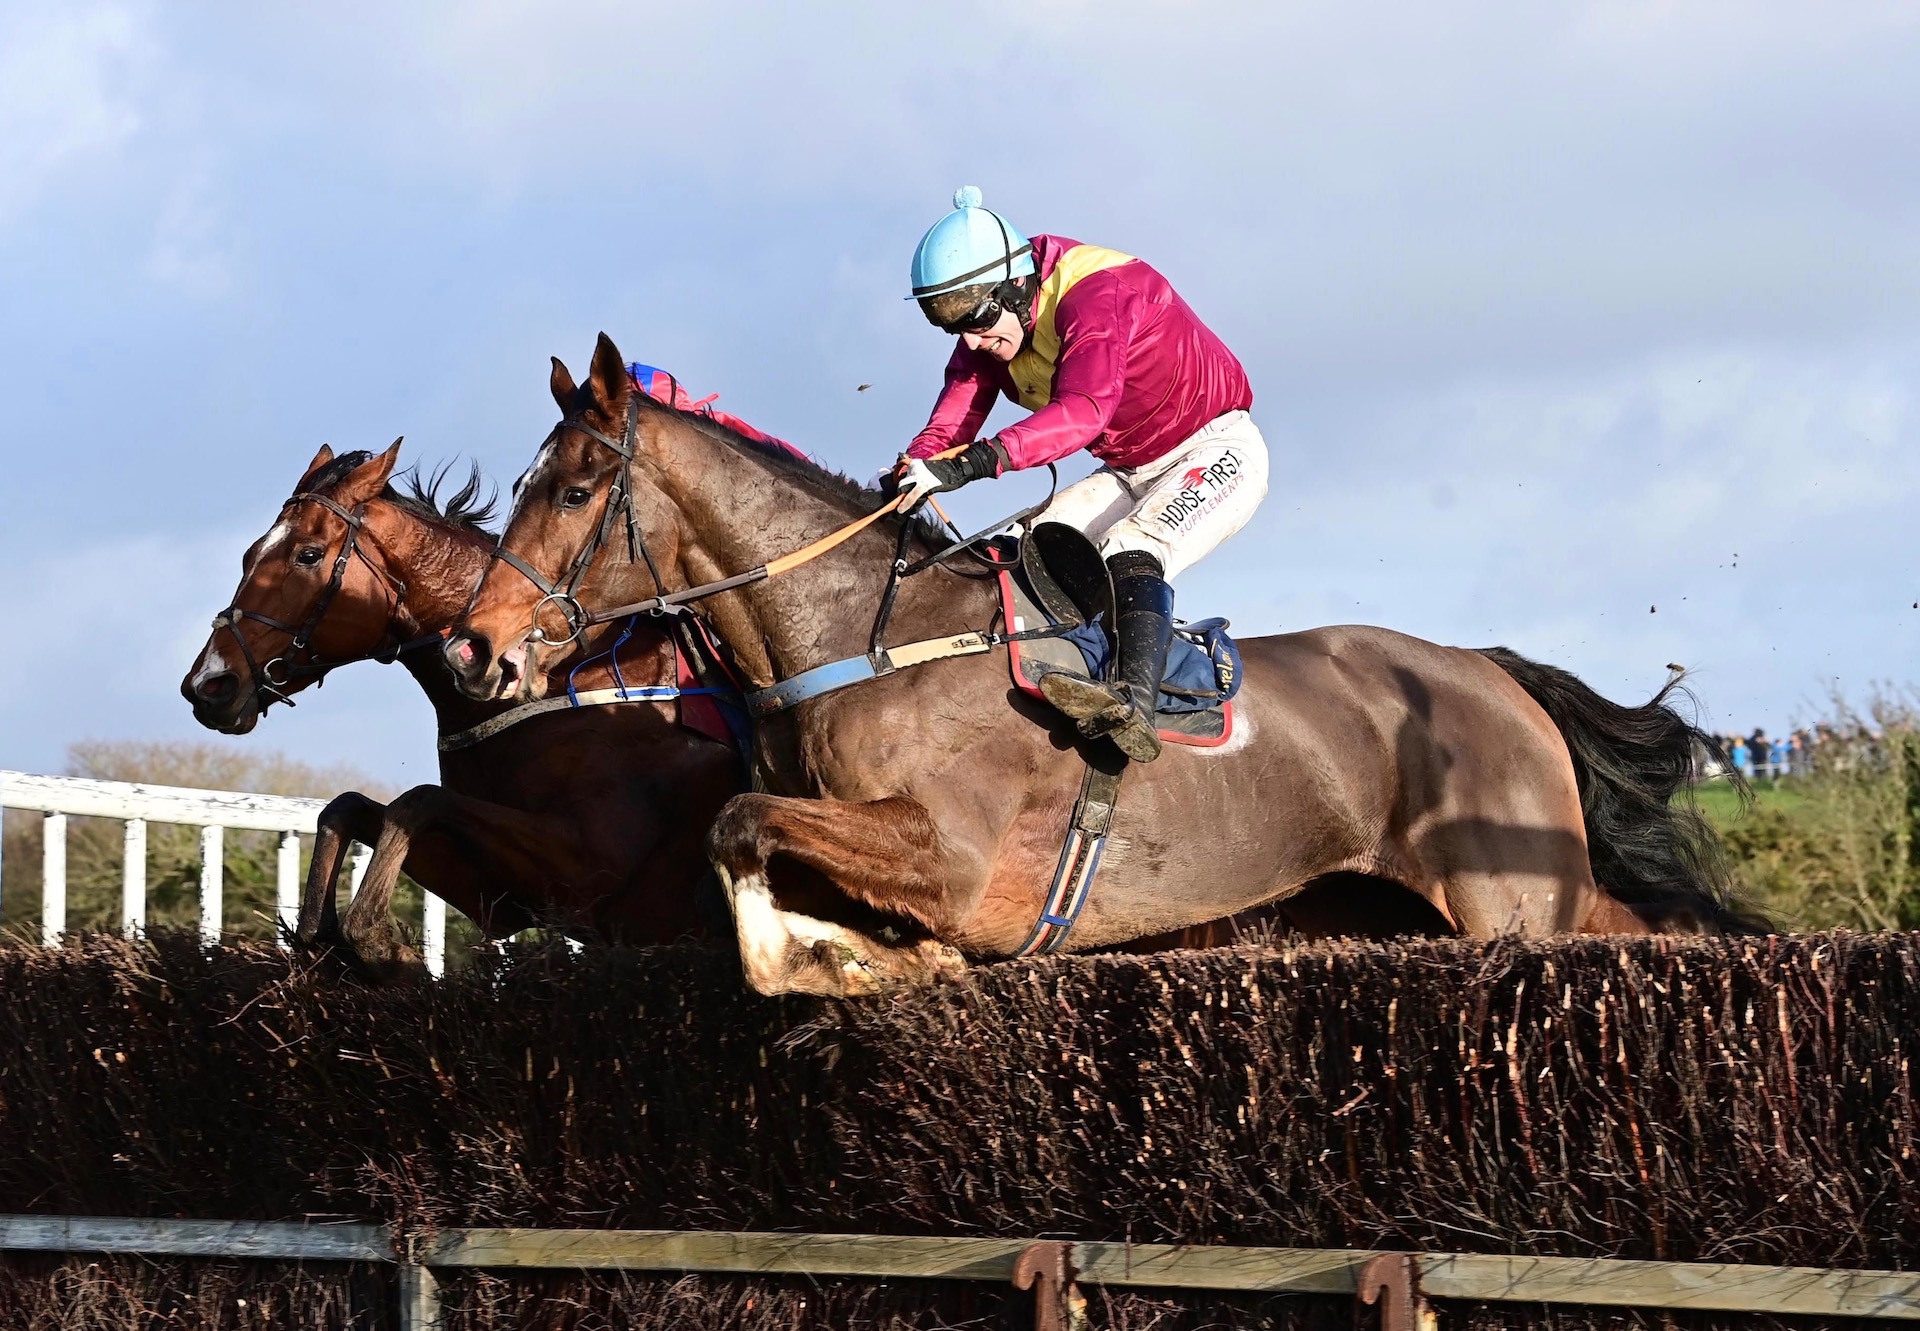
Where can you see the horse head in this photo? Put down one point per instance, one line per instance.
(316, 591)
(585, 512)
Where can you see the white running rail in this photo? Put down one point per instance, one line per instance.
(57, 798)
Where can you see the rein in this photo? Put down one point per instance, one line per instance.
(562, 593)
(773, 568)
(272, 679)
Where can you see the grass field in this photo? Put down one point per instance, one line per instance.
(1722, 806)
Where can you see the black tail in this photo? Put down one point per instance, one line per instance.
(1649, 846)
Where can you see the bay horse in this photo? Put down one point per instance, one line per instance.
(930, 803)
(592, 820)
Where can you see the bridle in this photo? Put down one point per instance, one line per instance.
(274, 677)
(562, 593)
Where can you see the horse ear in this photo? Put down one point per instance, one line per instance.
(563, 386)
(608, 382)
(366, 481)
(320, 459)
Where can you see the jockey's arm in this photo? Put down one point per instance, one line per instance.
(1096, 322)
(961, 409)
(1087, 387)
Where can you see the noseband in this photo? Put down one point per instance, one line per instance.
(272, 679)
(618, 508)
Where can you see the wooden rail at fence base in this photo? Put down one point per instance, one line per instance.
(1721, 1287)
(195, 1238)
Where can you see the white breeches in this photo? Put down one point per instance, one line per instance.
(1178, 507)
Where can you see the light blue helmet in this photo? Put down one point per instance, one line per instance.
(969, 246)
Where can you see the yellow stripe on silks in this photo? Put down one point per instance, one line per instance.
(1032, 370)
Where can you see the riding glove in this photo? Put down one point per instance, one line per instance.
(927, 476)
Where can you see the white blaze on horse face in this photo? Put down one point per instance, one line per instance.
(276, 537)
(210, 665)
(540, 460)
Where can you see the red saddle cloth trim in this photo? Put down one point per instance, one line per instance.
(1028, 687)
(661, 386)
(699, 712)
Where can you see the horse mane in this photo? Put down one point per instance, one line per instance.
(464, 508)
(822, 482)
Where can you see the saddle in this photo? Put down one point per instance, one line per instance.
(1061, 583)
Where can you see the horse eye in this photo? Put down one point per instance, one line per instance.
(573, 496)
(309, 556)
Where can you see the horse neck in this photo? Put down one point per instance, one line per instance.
(438, 563)
(738, 511)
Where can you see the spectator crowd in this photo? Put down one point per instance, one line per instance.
(1763, 757)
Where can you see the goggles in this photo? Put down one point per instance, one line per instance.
(978, 319)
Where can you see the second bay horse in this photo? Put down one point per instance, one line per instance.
(591, 821)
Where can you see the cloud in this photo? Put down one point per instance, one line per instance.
(190, 252)
(109, 628)
(1549, 311)
(1743, 509)
(504, 95)
(97, 622)
(69, 92)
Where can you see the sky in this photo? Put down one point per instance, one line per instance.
(1589, 329)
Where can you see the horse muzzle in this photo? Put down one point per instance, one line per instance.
(481, 674)
(220, 703)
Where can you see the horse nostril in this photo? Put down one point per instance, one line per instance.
(464, 654)
(218, 688)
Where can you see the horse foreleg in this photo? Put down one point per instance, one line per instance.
(884, 854)
(487, 861)
(348, 817)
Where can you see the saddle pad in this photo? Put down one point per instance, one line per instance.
(1029, 660)
(706, 713)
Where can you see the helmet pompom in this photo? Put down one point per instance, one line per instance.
(970, 246)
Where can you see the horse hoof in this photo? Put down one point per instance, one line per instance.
(946, 962)
(399, 974)
(853, 974)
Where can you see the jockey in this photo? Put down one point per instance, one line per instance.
(1107, 357)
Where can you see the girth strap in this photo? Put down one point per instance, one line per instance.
(1079, 862)
(466, 739)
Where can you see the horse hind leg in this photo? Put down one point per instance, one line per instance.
(485, 860)
(786, 952)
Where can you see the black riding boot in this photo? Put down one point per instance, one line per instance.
(1123, 710)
